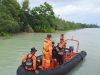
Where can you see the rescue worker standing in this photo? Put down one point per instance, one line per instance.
(61, 47)
(61, 51)
(47, 52)
(29, 61)
(62, 40)
(62, 44)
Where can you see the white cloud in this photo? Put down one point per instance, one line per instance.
(85, 11)
(69, 9)
(72, 9)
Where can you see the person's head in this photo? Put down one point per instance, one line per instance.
(71, 48)
(49, 36)
(61, 40)
(33, 50)
(62, 34)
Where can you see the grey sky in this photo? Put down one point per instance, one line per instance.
(84, 11)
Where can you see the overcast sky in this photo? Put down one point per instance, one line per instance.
(84, 11)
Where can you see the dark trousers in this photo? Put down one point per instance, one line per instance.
(60, 60)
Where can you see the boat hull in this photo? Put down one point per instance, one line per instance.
(61, 70)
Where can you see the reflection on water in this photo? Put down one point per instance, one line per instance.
(13, 49)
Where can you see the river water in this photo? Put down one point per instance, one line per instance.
(13, 49)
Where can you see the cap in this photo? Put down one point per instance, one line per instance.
(71, 48)
(33, 50)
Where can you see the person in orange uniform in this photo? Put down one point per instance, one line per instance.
(62, 40)
(69, 54)
(29, 61)
(47, 52)
(61, 47)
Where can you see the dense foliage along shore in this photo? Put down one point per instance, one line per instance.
(16, 18)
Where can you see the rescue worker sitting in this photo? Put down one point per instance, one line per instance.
(71, 48)
(68, 53)
(29, 61)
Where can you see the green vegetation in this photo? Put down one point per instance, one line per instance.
(43, 18)
(67, 25)
(15, 18)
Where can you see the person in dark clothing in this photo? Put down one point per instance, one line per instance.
(60, 54)
(54, 51)
(54, 61)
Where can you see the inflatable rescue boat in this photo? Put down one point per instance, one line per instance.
(59, 70)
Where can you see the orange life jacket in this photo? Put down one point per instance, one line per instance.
(73, 53)
(33, 63)
(47, 53)
(46, 59)
(53, 64)
(47, 43)
(66, 58)
(48, 46)
(61, 45)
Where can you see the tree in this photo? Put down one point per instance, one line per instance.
(14, 18)
(13, 7)
(25, 17)
(7, 22)
(25, 5)
(43, 18)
